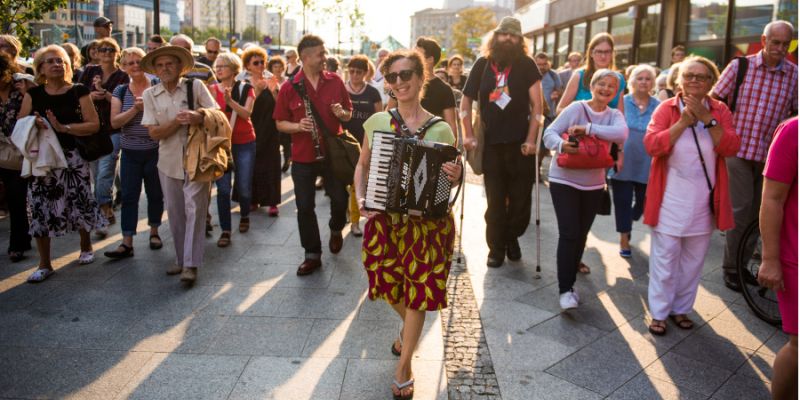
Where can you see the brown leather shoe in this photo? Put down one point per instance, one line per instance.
(308, 267)
(189, 275)
(174, 269)
(335, 244)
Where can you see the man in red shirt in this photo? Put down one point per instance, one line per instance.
(330, 99)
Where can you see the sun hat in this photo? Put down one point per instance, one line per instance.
(180, 53)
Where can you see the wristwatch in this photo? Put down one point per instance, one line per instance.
(710, 124)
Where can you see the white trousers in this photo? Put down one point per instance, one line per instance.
(676, 265)
(187, 204)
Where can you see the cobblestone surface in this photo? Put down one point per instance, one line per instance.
(470, 372)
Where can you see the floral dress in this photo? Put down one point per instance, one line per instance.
(63, 200)
(408, 258)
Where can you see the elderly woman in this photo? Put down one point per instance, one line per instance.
(455, 73)
(599, 55)
(61, 201)
(407, 258)
(631, 179)
(15, 186)
(577, 192)
(267, 168)
(102, 80)
(236, 98)
(139, 156)
(687, 193)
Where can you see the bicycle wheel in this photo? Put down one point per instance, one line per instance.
(761, 300)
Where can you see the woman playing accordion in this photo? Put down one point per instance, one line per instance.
(407, 258)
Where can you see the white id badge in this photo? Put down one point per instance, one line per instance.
(503, 101)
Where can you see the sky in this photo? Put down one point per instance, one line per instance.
(382, 18)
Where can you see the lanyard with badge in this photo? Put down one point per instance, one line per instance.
(499, 95)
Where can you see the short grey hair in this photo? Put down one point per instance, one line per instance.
(638, 70)
(603, 73)
(778, 23)
(183, 37)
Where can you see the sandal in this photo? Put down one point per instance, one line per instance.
(584, 269)
(16, 256)
(40, 275)
(657, 327)
(398, 395)
(273, 211)
(399, 342)
(155, 242)
(682, 321)
(86, 257)
(244, 225)
(224, 239)
(123, 251)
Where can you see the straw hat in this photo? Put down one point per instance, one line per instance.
(180, 53)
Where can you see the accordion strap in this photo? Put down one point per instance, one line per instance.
(420, 134)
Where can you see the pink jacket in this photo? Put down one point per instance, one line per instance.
(656, 142)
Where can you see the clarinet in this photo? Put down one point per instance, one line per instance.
(314, 132)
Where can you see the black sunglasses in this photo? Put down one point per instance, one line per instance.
(106, 50)
(405, 75)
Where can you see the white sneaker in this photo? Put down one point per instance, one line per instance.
(568, 300)
(86, 257)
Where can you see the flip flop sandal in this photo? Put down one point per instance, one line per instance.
(155, 242)
(40, 275)
(127, 251)
(657, 327)
(584, 269)
(682, 321)
(400, 387)
(86, 257)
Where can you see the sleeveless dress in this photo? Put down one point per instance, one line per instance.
(63, 200)
(408, 258)
(267, 170)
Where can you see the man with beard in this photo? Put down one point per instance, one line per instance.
(328, 96)
(508, 87)
(437, 97)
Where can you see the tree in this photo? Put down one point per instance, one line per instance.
(18, 14)
(308, 5)
(252, 33)
(280, 7)
(472, 24)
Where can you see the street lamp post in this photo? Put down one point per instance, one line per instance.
(156, 17)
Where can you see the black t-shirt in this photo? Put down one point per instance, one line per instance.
(65, 106)
(438, 97)
(509, 125)
(363, 108)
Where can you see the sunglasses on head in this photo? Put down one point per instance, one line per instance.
(405, 75)
(106, 50)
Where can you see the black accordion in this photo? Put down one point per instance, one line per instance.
(406, 176)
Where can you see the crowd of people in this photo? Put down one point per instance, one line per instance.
(686, 148)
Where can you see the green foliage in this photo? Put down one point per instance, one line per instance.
(18, 14)
(166, 33)
(251, 33)
(472, 23)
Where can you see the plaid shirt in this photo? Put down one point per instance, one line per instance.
(767, 96)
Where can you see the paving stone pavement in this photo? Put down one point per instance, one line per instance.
(250, 328)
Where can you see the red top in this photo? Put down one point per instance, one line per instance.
(243, 132)
(656, 143)
(290, 107)
(782, 167)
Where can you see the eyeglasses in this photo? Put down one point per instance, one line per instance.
(405, 75)
(257, 62)
(132, 63)
(54, 60)
(212, 51)
(106, 50)
(696, 77)
(355, 71)
(602, 52)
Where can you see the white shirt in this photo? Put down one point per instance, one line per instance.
(685, 209)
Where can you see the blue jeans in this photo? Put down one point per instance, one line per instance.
(304, 177)
(625, 211)
(104, 169)
(244, 158)
(137, 166)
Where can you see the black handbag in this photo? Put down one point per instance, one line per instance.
(605, 203)
(93, 146)
(343, 150)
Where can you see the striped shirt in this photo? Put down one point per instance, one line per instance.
(767, 96)
(134, 135)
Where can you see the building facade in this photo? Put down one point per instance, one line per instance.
(205, 14)
(268, 23)
(645, 30)
(438, 24)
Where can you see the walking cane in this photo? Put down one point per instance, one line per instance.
(460, 145)
(538, 274)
